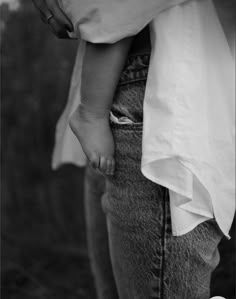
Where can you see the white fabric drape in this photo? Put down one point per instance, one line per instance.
(189, 122)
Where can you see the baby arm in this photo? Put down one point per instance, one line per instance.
(102, 67)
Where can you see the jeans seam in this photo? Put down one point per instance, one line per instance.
(128, 81)
(164, 204)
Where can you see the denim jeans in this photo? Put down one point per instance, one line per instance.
(147, 261)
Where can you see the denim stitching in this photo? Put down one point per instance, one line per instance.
(163, 245)
(136, 69)
(159, 271)
(141, 78)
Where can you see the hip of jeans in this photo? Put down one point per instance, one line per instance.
(129, 95)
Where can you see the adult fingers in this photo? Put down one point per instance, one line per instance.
(59, 15)
(43, 9)
(57, 28)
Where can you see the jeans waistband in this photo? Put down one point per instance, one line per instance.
(136, 68)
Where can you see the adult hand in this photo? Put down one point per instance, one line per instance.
(52, 14)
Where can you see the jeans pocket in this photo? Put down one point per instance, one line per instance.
(133, 127)
(128, 101)
(122, 120)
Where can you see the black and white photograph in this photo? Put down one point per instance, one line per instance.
(117, 149)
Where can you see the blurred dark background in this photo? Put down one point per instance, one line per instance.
(44, 253)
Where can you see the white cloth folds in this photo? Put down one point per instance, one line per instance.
(67, 148)
(107, 21)
(189, 113)
(189, 104)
